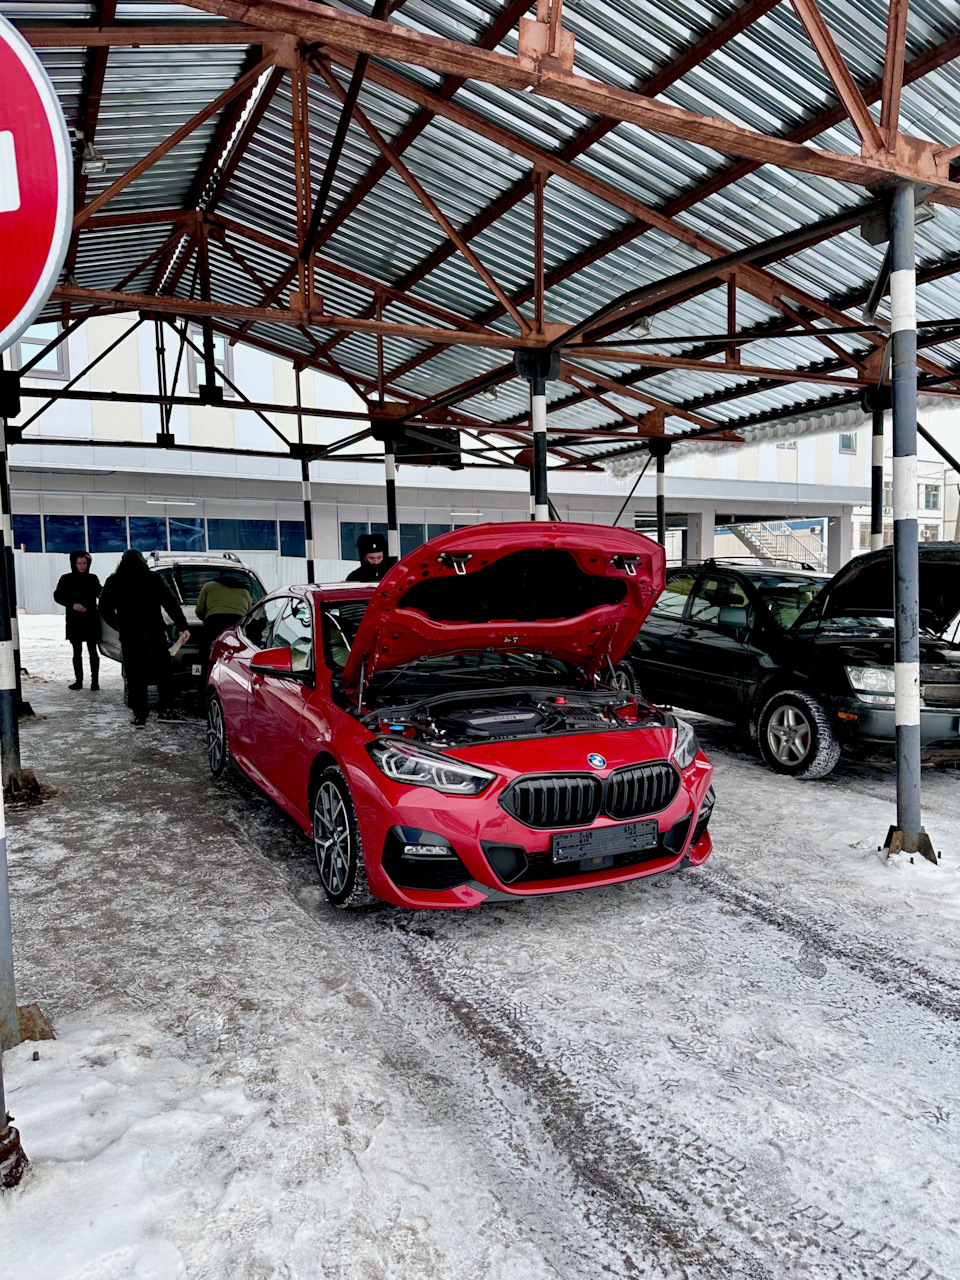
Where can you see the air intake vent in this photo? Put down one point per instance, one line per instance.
(564, 800)
(641, 789)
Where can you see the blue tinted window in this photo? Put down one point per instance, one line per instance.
(186, 534)
(148, 533)
(350, 531)
(26, 533)
(435, 530)
(292, 538)
(411, 537)
(64, 533)
(107, 533)
(242, 535)
(378, 528)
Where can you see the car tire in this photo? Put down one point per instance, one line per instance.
(795, 736)
(337, 845)
(624, 677)
(218, 748)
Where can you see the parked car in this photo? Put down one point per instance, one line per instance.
(803, 661)
(447, 736)
(185, 573)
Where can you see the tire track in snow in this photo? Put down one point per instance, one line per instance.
(688, 1193)
(909, 979)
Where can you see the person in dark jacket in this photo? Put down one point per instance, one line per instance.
(374, 561)
(131, 602)
(78, 591)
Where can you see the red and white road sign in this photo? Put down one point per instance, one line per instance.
(36, 185)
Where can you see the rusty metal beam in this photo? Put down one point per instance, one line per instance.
(140, 36)
(246, 81)
(843, 82)
(893, 69)
(923, 163)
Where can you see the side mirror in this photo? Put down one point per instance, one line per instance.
(272, 662)
(733, 616)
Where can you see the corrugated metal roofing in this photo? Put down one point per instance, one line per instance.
(766, 78)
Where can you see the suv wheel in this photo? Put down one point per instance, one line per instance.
(796, 737)
(336, 843)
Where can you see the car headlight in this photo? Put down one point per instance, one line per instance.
(406, 763)
(872, 684)
(687, 746)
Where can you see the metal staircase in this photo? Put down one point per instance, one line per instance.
(776, 541)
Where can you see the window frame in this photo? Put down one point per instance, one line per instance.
(745, 588)
(694, 575)
(195, 363)
(851, 451)
(307, 674)
(261, 604)
(17, 360)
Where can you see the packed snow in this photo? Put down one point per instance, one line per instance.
(744, 1070)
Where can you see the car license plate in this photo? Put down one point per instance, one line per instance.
(604, 842)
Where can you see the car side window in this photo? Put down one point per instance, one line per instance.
(293, 630)
(673, 598)
(258, 624)
(716, 594)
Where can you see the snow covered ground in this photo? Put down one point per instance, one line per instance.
(744, 1071)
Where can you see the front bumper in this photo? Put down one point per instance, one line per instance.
(497, 857)
(857, 724)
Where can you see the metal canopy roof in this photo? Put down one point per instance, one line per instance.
(495, 174)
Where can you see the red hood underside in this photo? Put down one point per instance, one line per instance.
(578, 592)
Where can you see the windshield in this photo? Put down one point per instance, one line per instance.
(339, 624)
(786, 595)
(186, 580)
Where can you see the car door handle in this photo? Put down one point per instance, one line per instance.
(685, 633)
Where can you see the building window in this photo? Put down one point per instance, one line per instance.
(54, 365)
(222, 358)
(929, 533)
(148, 533)
(107, 533)
(411, 537)
(64, 533)
(27, 535)
(864, 537)
(242, 535)
(929, 498)
(186, 534)
(848, 442)
(435, 530)
(350, 531)
(293, 540)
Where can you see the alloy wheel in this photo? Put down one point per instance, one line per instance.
(789, 734)
(331, 838)
(216, 737)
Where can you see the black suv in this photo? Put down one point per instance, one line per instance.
(803, 661)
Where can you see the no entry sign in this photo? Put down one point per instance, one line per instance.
(36, 185)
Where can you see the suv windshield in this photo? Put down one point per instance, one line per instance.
(786, 595)
(187, 580)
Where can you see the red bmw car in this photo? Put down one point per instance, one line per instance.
(454, 733)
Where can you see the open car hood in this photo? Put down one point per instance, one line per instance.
(577, 592)
(865, 585)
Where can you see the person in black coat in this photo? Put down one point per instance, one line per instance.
(77, 591)
(131, 602)
(374, 561)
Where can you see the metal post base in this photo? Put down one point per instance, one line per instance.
(895, 844)
(13, 1158)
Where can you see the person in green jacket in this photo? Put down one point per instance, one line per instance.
(222, 602)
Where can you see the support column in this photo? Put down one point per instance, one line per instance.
(839, 540)
(659, 448)
(876, 482)
(701, 526)
(307, 517)
(538, 423)
(390, 472)
(906, 568)
(9, 728)
(13, 1161)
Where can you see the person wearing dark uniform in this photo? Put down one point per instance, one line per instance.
(131, 602)
(374, 561)
(78, 591)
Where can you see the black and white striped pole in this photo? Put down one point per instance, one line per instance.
(13, 1161)
(537, 368)
(305, 483)
(909, 836)
(876, 481)
(9, 728)
(390, 473)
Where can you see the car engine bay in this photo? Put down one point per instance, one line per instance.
(497, 715)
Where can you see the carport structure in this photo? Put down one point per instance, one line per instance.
(475, 213)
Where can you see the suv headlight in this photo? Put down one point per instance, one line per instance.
(403, 762)
(872, 684)
(687, 746)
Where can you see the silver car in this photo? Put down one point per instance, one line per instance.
(185, 573)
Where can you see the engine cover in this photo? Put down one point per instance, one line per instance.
(492, 722)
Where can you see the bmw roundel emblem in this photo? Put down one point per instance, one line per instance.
(597, 761)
